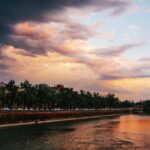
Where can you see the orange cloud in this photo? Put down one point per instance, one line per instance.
(55, 68)
(36, 31)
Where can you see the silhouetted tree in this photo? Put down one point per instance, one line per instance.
(12, 93)
(2, 97)
(112, 101)
(146, 106)
(42, 96)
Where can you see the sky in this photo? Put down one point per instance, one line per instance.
(95, 45)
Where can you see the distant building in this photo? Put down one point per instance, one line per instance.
(60, 86)
(57, 88)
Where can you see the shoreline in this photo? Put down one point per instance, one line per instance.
(59, 120)
(12, 117)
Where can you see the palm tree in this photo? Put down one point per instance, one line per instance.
(2, 96)
(146, 106)
(43, 95)
(112, 101)
(12, 93)
(26, 93)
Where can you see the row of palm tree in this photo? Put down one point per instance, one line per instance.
(43, 97)
(146, 106)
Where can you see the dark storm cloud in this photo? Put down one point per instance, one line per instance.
(15, 11)
(21, 10)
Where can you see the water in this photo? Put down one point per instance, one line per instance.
(128, 132)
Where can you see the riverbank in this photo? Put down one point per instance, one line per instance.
(10, 118)
(59, 120)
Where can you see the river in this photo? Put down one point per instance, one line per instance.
(126, 132)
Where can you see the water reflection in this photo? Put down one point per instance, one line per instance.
(137, 124)
(136, 129)
(121, 133)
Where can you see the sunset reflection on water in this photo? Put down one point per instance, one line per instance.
(134, 129)
(136, 124)
(127, 132)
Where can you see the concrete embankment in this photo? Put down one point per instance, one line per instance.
(59, 120)
(30, 117)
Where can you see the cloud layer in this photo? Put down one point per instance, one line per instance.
(79, 43)
(12, 12)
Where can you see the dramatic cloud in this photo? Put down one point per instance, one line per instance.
(41, 38)
(85, 44)
(28, 9)
(115, 51)
(135, 71)
(12, 12)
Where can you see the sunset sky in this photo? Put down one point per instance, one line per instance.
(95, 45)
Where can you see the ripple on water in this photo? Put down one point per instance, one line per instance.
(124, 133)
